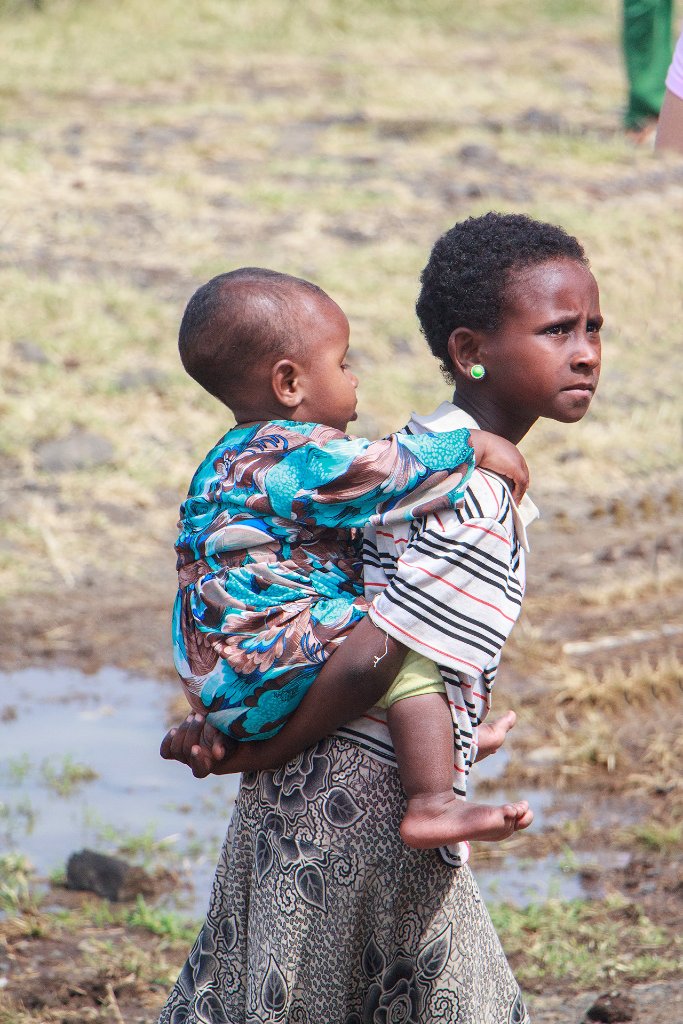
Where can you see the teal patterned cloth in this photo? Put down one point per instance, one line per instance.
(269, 557)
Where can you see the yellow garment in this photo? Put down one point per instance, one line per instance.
(416, 676)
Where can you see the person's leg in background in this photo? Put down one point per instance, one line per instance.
(647, 46)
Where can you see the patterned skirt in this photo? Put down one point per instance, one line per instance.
(320, 915)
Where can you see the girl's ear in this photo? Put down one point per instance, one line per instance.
(463, 350)
(285, 382)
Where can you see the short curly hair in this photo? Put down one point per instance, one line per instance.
(466, 278)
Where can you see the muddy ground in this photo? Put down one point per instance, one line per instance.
(88, 972)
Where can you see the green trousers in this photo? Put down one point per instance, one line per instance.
(647, 47)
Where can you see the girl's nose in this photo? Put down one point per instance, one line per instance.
(587, 352)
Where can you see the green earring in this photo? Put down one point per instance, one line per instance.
(477, 371)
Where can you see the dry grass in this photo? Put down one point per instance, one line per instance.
(141, 154)
(643, 684)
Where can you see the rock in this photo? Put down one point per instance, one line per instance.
(79, 450)
(400, 346)
(537, 120)
(89, 871)
(29, 351)
(570, 455)
(119, 514)
(612, 1008)
(147, 377)
(606, 555)
(352, 235)
(476, 153)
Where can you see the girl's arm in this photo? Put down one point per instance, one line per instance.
(351, 681)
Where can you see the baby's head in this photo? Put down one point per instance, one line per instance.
(512, 312)
(270, 346)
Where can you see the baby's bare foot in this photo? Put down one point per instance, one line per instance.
(441, 819)
(492, 735)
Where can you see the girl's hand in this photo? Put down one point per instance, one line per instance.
(502, 457)
(209, 752)
(196, 743)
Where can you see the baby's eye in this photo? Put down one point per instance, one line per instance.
(594, 326)
(556, 329)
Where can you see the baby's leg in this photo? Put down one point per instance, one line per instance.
(422, 732)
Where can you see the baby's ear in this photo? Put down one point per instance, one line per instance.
(285, 381)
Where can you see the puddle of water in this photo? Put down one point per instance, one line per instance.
(112, 723)
(522, 881)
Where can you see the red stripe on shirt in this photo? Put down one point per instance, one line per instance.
(488, 484)
(479, 600)
(457, 706)
(422, 643)
(379, 721)
(391, 536)
(492, 533)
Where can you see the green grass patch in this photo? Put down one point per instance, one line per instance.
(658, 837)
(67, 776)
(102, 914)
(164, 923)
(579, 944)
(16, 872)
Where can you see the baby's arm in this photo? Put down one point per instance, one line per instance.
(342, 481)
(339, 481)
(351, 681)
(502, 457)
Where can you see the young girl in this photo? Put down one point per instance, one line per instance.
(269, 571)
(319, 912)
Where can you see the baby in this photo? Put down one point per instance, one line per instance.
(269, 551)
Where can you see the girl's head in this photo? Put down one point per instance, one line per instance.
(270, 346)
(514, 296)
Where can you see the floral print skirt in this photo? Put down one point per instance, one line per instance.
(319, 914)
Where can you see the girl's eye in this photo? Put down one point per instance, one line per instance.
(593, 327)
(556, 329)
(345, 366)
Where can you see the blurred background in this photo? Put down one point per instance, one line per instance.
(147, 147)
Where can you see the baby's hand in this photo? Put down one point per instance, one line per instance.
(501, 457)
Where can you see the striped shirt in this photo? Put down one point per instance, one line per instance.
(449, 586)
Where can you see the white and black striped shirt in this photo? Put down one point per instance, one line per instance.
(449, 586)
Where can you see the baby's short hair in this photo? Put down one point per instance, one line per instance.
(468, 273)
(237, 320)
